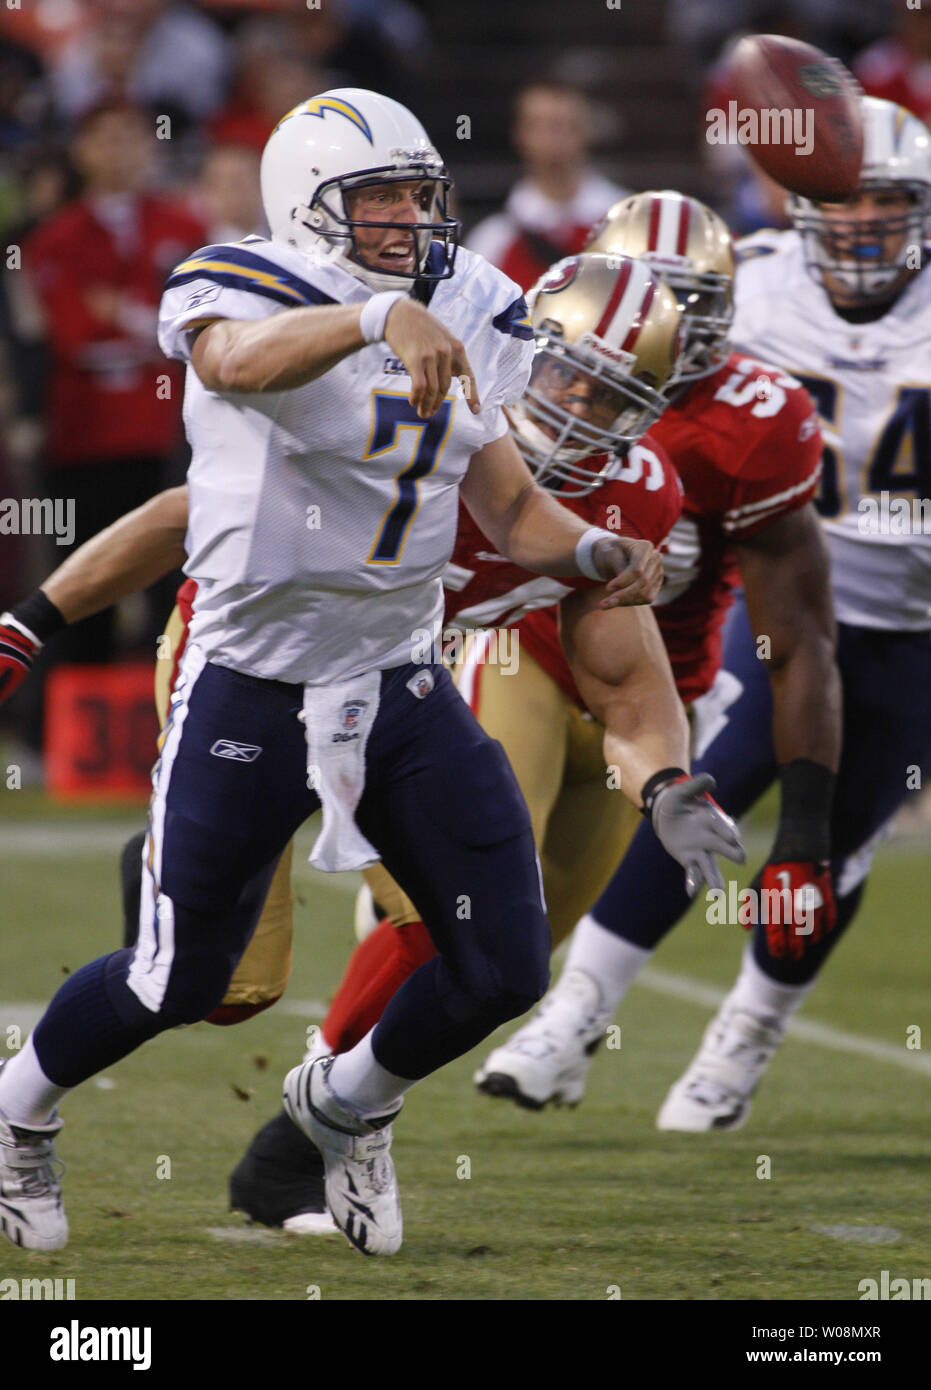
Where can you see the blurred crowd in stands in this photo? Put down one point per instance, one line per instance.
(131, 134)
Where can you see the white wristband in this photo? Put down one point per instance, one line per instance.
(583, 551)
(375, 313)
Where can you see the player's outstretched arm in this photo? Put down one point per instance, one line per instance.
(620, 666)
(529, 526)
(287, 350)
(130, 555)
(136, 551)
(787, 582)
(786, 577)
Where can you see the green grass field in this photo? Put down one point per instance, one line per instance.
(565, 1205)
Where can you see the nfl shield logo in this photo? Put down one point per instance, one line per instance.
(352, 709)
(421, 684)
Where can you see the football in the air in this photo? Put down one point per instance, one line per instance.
(798, 113)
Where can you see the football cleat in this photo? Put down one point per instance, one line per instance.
(547, 1061)
(361, 1188)
(279, 1181)
(31, 1212)
(715, 1091)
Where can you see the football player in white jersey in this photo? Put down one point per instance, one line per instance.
(331, 444)
(843, 302)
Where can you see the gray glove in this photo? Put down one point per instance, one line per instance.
(691, 827)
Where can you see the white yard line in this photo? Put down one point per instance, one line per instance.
(41, 841)
(806, 1030)
(30, 840)
(25, 1014)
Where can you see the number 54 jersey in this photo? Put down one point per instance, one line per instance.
(321, 517)
(871, 383)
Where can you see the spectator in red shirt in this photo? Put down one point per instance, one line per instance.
(271, 75)
(550, 211)
(899, 68)
(97, 267)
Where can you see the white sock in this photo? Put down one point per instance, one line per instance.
(363, 1085)
(766, 999)
(609, 960)
(27, 1097)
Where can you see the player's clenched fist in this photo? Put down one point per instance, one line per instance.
(431, 354)
(633, 569)
(800, 905)
(18, 649)
(22, 632)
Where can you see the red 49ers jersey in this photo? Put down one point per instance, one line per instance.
(746, 444)
(642, 499)
(649, 509)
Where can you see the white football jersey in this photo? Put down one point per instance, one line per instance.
(321, 517)
(871, 383)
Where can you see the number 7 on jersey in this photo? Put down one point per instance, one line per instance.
(394, 413)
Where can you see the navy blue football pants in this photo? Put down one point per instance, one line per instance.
(442, 807)
(887, 735)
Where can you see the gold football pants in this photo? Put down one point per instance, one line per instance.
(582, 826)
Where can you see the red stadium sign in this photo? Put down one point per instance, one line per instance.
(100, 732)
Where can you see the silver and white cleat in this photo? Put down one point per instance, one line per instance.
(715, 1091)
(361, 1187)
(32, 1215)
(546, 1062)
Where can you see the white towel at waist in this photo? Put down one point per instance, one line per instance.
(338, 720)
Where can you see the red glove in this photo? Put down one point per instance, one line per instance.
(806, 912)
(18, 649)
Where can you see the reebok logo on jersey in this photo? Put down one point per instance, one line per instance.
(861, 364)
(394, 367)
(236, 752)
(204, 296)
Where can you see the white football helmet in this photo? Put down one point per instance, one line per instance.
(350, 138)
(896, 157)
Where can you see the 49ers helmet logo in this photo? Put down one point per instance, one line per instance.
(561, 274)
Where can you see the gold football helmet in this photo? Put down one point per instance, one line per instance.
(692, 249)
(607, 342)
